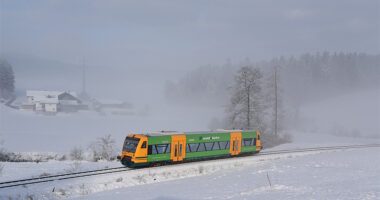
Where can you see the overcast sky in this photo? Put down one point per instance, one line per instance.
(185, 33)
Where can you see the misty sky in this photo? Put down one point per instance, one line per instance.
(185, 34)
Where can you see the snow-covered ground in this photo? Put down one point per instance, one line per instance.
(338, 174)
(332, 175)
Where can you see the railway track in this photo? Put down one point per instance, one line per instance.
(58, 177)
(319, 149)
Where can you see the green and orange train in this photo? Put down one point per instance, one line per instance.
(141, 150)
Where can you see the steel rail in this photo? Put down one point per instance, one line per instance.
(50, 178)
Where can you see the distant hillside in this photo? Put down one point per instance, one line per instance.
(37, 73)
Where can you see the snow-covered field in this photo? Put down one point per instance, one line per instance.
(332, 175)
(338, 174)
(23, 131)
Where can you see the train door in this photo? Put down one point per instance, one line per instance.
(258, 142)
(235, 143)
(178, 148)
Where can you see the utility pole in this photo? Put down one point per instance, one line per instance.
(84, 76)
(276, 104)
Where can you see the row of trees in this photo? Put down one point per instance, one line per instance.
(261, 89)
(7, 80)
(264, 94)
(312, 77)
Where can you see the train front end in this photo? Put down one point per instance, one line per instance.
(134, 152)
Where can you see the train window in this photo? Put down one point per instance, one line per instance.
(227, 145)
(188, 148)
(216, 146)
(130, 144)
(247, 142)
(209, 146)
(158, 149)
(201, 147)
(193, 147)
(161, 148)
(149, 149)
(143, 146)
(223, 145)
(152, 149)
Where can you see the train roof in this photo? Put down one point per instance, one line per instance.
(165, 133)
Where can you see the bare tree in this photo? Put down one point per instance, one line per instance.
(103, 148)
(76, 153)
(246, 106)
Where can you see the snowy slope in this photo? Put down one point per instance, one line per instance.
(339, 174)
(333, 175)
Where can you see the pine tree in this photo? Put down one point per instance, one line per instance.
(7, 80)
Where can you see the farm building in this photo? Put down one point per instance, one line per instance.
(52, 101)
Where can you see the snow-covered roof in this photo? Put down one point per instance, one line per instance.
(33, 93)
(41, 93)
(44, 96)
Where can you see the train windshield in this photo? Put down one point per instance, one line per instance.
(130, 144)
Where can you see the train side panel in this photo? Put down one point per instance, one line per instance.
(159, 148)
(204, 145)
(249, 140)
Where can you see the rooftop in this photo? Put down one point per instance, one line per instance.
(163, 133)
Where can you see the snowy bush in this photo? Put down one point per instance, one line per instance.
(4, 156)
(76, 153)
(7, 156)
(62, 158)
(103, 148)
(74, 167)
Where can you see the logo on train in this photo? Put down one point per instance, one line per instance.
(209, 138)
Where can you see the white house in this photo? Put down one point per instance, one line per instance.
(52, 101)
